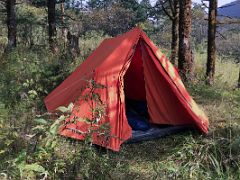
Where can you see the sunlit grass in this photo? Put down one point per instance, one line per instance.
(188, 155)
(191, 155)
(227, 70)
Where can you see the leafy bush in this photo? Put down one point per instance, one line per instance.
(30, 74)
(30, 147)
(44, 154)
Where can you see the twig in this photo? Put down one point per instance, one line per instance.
(166, 12)
(171, 6)
(221, 35)
(204, 4)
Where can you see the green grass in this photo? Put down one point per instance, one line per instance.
(188, 155)
(191, 155)
(226, 70)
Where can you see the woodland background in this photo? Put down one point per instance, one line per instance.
(42, 42)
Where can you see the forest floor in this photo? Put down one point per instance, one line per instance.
(187, 155)
(192, 155)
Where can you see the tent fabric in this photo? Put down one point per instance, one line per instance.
(135, 74)
(127, 65)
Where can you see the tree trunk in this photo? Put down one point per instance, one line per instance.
(11, 23)
(212, 21)
(73, 44)
(175, 34)
(64, 29)
(52, 32)
(185, 55)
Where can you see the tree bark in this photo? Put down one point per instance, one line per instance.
(185, 54)
(73, 44)
(212, 21)
(175, 34)
(52, 31)
(11, 23)
(64, 29)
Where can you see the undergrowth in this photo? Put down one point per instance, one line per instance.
(30, 147)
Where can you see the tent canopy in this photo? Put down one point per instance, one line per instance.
(131, 66)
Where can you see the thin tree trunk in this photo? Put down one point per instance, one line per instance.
(212, 21)
(185, 55)
(73, 44)
(11, 23)
(239, 78)
(52, 32)
(175, 34)
(64, 29)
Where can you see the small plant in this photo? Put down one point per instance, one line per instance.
(44, 154)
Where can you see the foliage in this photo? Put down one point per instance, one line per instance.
(138, 9)
(90, 41)
(229, 45)
(30, 147)
(30, 73)
(115, 20)
(44, 154)
(199, 24)
(31, 25)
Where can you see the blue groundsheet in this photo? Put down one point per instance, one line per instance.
(142, 130)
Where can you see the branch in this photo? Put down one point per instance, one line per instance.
(204, 4)
(65, 15)
(222, 36)
(171, 6)
(161, 2)
(166, 12)
(19, 3)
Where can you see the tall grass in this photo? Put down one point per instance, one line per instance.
(227, 70)
(188, 155)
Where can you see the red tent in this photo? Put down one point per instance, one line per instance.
(128, 65)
